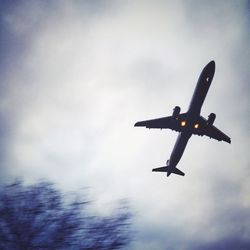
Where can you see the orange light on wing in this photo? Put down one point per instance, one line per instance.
(183, 123)
(196, 125)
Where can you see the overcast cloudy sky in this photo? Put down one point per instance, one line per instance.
(76, 76)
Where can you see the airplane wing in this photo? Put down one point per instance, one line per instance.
(210, 131)
(165, 122)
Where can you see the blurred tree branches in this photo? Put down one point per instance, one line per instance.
(39, 217)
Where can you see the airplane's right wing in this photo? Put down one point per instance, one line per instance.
(211, 131)
(165, 122)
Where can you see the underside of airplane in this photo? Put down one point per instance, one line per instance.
(189, 123)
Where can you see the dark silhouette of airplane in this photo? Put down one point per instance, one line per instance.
(188, 123)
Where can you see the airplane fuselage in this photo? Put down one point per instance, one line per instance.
(193, 114)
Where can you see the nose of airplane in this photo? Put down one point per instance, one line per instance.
(210, 67)
(212, 64)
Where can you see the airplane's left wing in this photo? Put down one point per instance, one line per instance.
(211, 131)
(165, 122)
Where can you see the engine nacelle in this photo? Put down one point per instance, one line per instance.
(211, 119)
(176, 111)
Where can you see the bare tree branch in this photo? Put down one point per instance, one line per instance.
(38, 217)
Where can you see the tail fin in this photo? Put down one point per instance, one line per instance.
(168, 170)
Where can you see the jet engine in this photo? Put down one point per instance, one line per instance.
(211, 119)
(176, 111)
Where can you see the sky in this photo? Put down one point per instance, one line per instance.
(76, 75)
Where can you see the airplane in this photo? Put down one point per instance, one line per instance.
(189, 123)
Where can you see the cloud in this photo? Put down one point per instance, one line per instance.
(78, 75)
(228, 243)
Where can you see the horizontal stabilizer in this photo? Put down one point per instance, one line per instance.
(162, 169)
(178, 171)
(168, 170)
